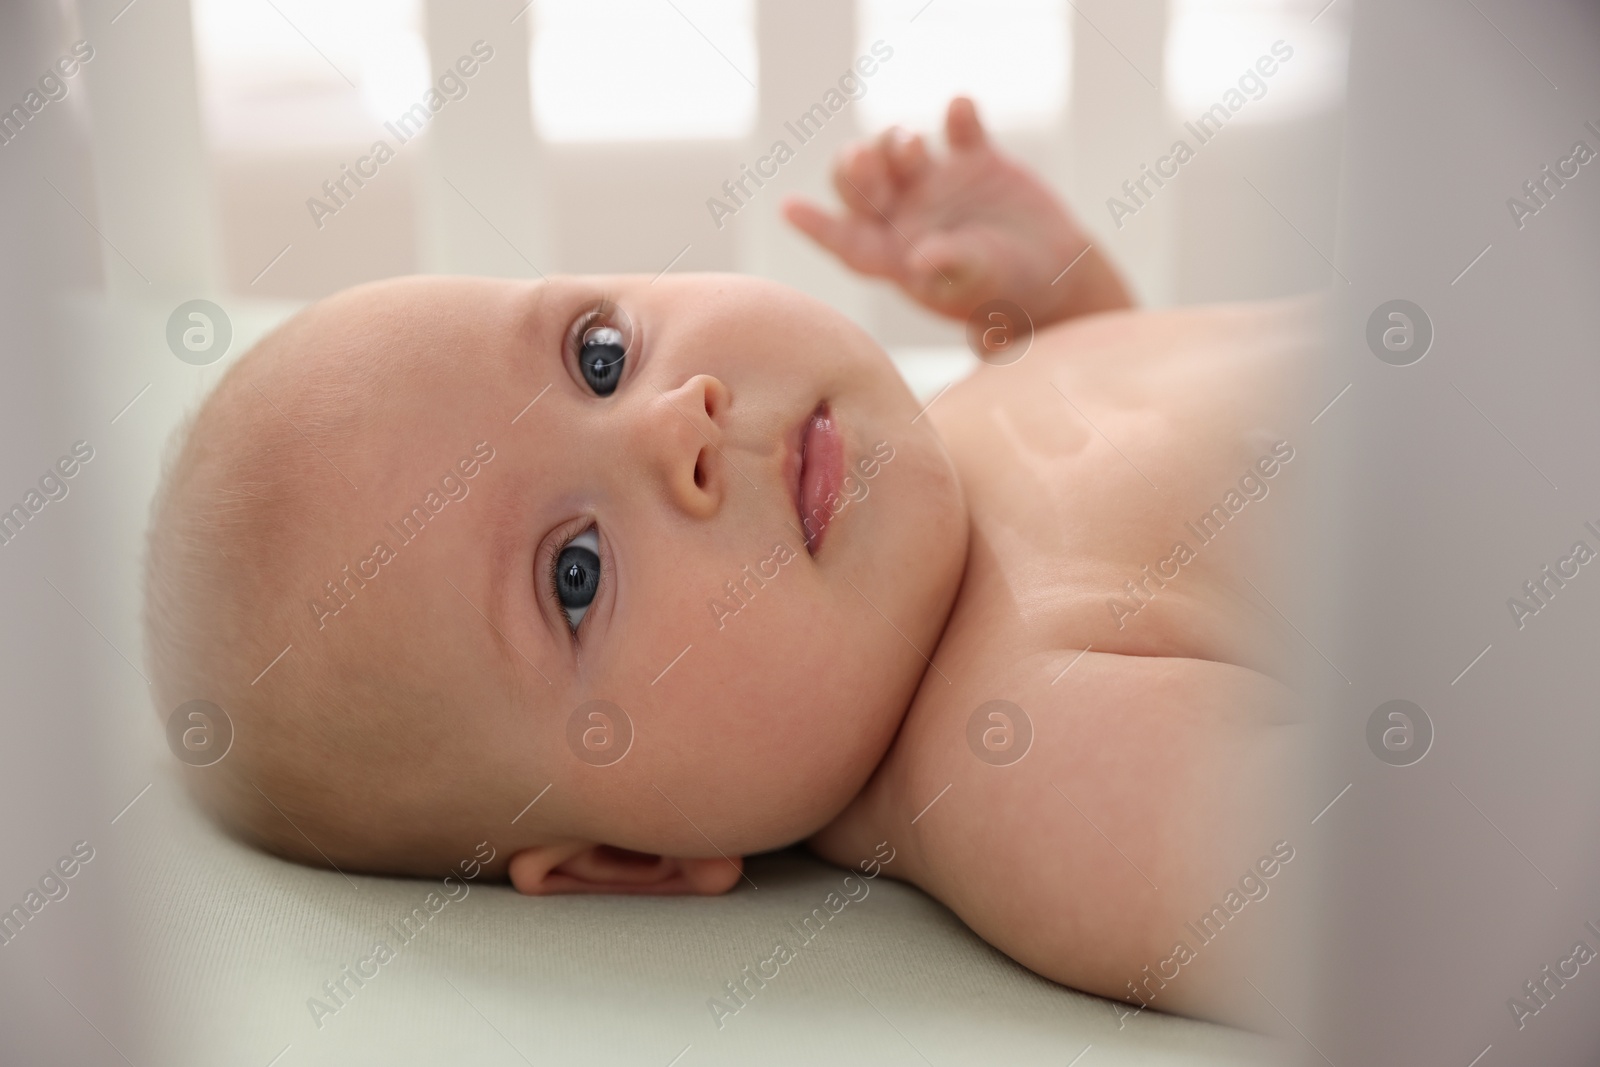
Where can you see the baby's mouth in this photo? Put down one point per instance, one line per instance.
(819, 474)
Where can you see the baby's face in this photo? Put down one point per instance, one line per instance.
(641, 526)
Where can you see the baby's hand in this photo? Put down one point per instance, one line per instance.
(957, 231)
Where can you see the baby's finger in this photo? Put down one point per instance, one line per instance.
(908, 156)
(858, 243)
(810, 219)
(861, 178)
(961, 126)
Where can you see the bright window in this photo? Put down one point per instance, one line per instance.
(297, 72)
(1212, 43)
(642, 70)
(1014, 57)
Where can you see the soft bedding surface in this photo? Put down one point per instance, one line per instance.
(237, 953)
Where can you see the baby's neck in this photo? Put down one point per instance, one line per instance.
(878, 813)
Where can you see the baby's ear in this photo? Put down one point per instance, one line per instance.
(583, 868)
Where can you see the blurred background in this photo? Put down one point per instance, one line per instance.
(594, 137)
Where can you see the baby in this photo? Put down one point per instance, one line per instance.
(641, 576)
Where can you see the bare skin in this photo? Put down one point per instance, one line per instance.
(1156, 753)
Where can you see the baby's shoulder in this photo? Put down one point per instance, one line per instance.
(986, 742)
(997, 707)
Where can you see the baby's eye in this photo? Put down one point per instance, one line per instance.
(577, 576)
(601, 358)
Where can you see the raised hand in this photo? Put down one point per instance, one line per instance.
(957, 230)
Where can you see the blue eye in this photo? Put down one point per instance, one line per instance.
(601, 358)
(576, 576)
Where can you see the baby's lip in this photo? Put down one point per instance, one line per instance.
(793, 464)
(817, 460)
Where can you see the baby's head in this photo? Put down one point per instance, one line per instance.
(420, 486)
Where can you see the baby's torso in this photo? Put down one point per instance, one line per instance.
(1095, 746)
(1127, 482)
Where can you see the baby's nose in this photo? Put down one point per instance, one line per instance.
(681, 434)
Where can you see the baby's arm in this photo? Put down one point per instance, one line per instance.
(961, 229)
(1139, 807)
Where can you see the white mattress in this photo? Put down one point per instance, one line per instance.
(231, 946)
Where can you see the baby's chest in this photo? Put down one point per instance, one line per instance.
(1126, 518)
